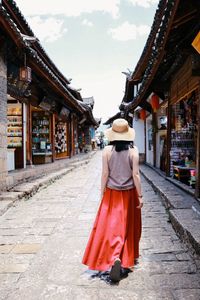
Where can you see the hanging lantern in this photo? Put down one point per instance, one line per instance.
(155, 102)
(25, 74)
(143, 114)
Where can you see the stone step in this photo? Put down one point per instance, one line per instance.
(28, 189)
(184, 210)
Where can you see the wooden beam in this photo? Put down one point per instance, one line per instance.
(53, 125)
(24, 28)
(154, 69)
(185, 18)
(158, 59)
(15, 38)
(154, 127)
(145, 140)
(169, 116)
(141, 65)
(197, 187)
(29, 136)
(146, 105)
(54, 86)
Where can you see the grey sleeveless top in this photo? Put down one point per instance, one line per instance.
(120, 171)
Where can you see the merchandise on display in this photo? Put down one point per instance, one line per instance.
(61, 138)
(183, 141)
(14, 126)
(40, 133)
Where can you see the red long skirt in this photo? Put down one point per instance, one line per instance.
(116, 231)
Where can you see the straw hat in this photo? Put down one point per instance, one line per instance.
(120, 131)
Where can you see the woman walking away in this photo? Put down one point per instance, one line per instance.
(114, 241)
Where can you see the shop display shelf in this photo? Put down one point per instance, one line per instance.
(14, 145)
(38, 132)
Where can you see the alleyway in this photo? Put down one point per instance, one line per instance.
(42, 241)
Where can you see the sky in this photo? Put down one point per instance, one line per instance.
(92, 42)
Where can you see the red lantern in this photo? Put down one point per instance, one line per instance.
(143, 114)
(155, 102)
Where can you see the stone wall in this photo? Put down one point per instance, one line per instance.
(3, 117)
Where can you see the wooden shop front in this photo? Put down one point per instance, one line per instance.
(16, 134)
(184, 127)
(62, 134)
(41, 136)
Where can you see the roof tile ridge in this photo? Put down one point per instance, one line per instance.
(156, 23)
(29, 31)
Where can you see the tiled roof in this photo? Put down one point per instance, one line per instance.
(156, 51)
(37, 56)
(140, 67)
(20, 28)
(111, 119)
(89, 113)
(20, 20)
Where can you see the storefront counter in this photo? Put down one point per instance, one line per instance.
(42, 158)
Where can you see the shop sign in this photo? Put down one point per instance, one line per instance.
(45, 104)
(196, 43)
(64, 113)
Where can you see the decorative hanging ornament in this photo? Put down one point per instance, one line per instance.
(25, 72)
(155, 102)
(143, 114)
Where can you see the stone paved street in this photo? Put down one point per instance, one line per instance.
(42, 242)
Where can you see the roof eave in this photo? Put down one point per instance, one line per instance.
(155, 58)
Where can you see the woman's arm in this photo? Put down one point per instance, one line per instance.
(105, 171)
(136, 174)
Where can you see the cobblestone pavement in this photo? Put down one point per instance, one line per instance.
(42, 242)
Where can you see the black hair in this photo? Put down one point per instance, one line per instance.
(122, 145)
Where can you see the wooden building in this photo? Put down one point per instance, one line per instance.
(39, 111)
(166, 85)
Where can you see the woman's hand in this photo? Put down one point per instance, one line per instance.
(140, 202)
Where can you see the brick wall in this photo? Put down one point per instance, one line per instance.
(3, 117)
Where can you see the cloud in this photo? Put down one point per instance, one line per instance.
(47, 29)
(144, 3)
(107, 92)
(68, 8)
(87, 23)
(127, 31)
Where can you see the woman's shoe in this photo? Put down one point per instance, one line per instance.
(124, 272)
(116, 270)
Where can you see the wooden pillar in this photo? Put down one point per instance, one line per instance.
(70, 135)
(88, 144)
(145, 140)
(3, 115)
(154, 123)
(73, 146)
(29, 136)
(75, 134)
(197, 187)
(67, 136)
(169, 128)
(53, 137)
